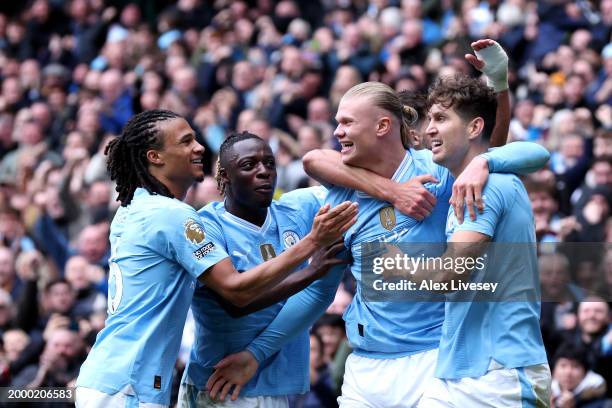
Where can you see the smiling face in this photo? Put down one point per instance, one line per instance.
(356, 131)
(181, 154)
(449, 137)
(250, 174)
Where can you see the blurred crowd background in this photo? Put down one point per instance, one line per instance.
(72, 72)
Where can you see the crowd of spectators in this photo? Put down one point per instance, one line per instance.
(72, 72)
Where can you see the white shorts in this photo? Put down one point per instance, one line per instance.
(509, 388)
(90, 398)
(190, 397)
(387, 383)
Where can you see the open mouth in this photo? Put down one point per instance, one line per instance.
(346, 147)
(436, 144)
(198, 162)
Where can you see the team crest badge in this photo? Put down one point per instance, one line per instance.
(387, 218)
(267, 251)
(290, 238)
(194, 232)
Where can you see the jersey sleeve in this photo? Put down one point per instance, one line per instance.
(495, 195)
(217, 244)
(187, 241)
(305, 203)
(299, 313)
(517, 157)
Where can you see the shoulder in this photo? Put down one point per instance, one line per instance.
(502, 183)
(166, 214)
(296, 197)
(212, 209)
(338, 194)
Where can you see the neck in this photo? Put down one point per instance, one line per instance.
(475, 149)
(256, 216)
(387, 159)
(178, 188)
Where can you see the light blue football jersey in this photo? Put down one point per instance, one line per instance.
(503, 326)
(156, 246)
(395, 328)
(217, 334)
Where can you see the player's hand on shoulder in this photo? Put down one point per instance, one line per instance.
(231, 374)
(467, 189)
(326, 257)
(330, 224)
(412, 198)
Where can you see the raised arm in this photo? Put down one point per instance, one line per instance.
(241, 288)
(491, 59)
(410, 197)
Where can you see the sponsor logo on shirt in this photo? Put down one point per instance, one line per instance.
(194, 232)
(204, 250)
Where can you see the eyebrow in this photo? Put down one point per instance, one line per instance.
(343, 117)
(186, 137)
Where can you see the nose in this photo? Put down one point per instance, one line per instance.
(199, 149)
(339, 131)
(263, 172)
(431, 129)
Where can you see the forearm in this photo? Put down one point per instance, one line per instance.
(502, 120)
(298, 314)
(244, 287)
(325, 166)
(517, 157)
(291, 285)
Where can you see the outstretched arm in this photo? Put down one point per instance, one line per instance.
(410, 197)
(516, 157)
(241, 288)
(321, 262)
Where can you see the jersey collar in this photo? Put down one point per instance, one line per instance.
(245, 224)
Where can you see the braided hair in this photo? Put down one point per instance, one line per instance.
(227, 144)
(127, 155)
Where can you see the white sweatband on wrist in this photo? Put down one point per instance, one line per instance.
(496, 66)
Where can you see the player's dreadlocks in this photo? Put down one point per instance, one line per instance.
(222, 162)
(127, 160)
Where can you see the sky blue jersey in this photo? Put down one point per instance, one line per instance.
(503, 326)
(217, 334)
(391, 329)
(155, 246)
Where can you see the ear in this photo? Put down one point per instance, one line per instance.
(475, 128)
(414, 137)
(155, 157)
(383, 126)
(223, 175)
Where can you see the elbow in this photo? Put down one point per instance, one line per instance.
(238, 298)
(310, 160)
(237, 295)
(545, 155)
